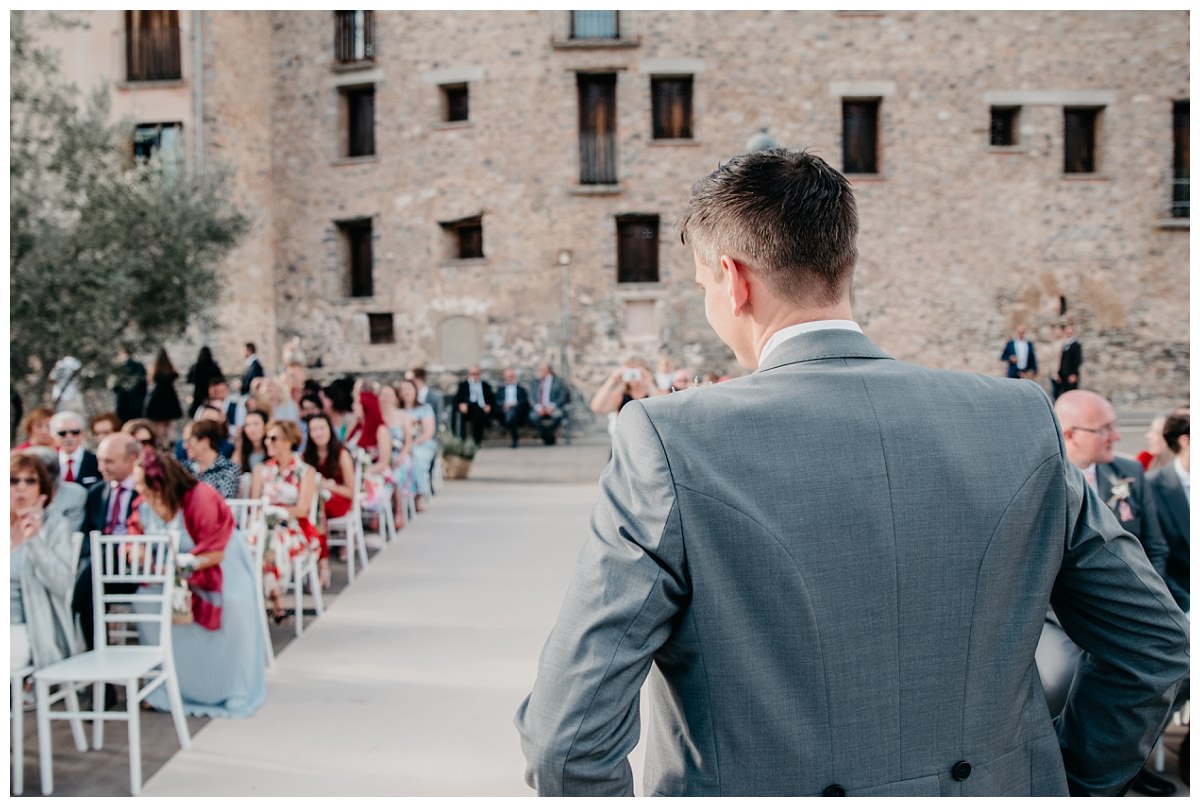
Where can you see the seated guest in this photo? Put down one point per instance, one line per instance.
(77, 462)
(251, 447)
(104, 425)
(400, 425)
(288, 483)
(339, 405)
(372, 437)
(550, 398)
(36, 426)
(333, 462)
(219, 654)
(1170, 487)
(218, 397)
(424, 440)
(141, 430)
(205, 461)
(69, 499)
(212, 414)
(41, 569)
(282, 406)
(512, 405)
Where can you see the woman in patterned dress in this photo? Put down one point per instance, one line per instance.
(290, 484)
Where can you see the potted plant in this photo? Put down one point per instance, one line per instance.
(457, 454)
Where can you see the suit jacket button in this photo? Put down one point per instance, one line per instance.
(961, 771)
(834, 790)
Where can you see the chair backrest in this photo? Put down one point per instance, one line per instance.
(75, 639)
(147, 562)
(246, 511)
(316, 499)
(360, 476)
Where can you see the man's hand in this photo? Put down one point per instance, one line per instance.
(462, 407)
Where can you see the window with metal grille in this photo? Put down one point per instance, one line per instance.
(382, 329)
(594, 25)
(860, 136)
(637, 249)
(353, 36)
(671, 107)
(355, 236)
(360, 120)
(1181, 183)
(454, 102)
(598, 128)
(466, 236)
(1004, 125)
(152, 46)
(1079, 139)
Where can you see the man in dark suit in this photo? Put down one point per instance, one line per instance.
(512, 406)
(1067, 377)
(1089, 428)
(1020, 360)
(474, 401)
(129, 386)
(108, 509)
(829, 591)
(253, 369)
(78, 464)
(550, 397)
(1171, 490)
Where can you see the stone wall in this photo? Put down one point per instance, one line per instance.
(959, 240)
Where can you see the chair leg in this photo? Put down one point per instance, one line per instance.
(76, 724)
(98, 722)
(350, 553)
(18, 734)
(45, 753)
(266, 637)
(360, 537)
(318, 602)
(175, 698)
(298, 594)
(132, 707)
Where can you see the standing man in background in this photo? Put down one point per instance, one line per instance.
(1020, 360)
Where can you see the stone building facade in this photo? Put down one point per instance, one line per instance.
(358, 247)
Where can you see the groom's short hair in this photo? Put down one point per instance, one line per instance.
(787, 214)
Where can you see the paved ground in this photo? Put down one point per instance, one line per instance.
(408, 684)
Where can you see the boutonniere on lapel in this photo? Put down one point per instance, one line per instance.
(1118, 498)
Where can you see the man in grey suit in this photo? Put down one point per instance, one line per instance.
(70, 499)
(835, 569)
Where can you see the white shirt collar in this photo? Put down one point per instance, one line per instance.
(783, 334)
(77, 455)
(1185, 479)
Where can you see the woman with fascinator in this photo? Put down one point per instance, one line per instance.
(219, 653)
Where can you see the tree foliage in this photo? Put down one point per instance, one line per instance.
(103, 249)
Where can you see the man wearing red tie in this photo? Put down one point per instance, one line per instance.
(110, 506)
(75, 462)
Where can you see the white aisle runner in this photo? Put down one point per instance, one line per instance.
(408, 685)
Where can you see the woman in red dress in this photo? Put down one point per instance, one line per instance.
(325, 452)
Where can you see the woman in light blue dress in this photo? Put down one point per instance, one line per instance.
(219, 656)
(424, 441)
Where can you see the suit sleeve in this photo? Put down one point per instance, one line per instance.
(581, 720)
(1113, 604)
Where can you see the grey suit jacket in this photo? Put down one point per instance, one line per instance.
(70, 502)
(835, 571)
(1174, 517)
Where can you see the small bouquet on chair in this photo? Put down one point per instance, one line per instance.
(181, 594)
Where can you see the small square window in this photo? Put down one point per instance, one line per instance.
(1080, 126)
(671, 107)
(466, 237)
(1004, 125)
(1181, 184)
(382, 329)
(637, 249)
(594, 25)
(860, 136)
(454, 102)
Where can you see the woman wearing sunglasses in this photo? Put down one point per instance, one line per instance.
(41, 569)
(288, 483)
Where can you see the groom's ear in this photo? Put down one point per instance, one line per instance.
(738, 280)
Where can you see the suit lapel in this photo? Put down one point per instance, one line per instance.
(1104, 475)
